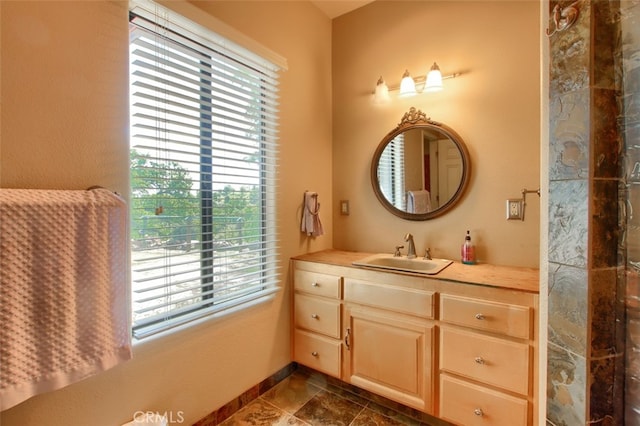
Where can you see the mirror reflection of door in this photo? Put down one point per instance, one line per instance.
(413, 173)
(417, 191)
(431, 163)
(443, 169)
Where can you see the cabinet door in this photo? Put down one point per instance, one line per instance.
(390, 355)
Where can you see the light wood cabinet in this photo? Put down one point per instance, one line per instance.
(390, 355)
(465, 353)
(486, 360)
(392, 339)
(317, 313)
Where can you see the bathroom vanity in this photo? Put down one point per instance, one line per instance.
(460, 345)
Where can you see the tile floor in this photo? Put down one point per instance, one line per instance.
(310, 400)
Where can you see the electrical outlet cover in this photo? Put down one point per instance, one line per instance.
(514, 209)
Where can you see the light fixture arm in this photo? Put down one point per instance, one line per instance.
(526, 191)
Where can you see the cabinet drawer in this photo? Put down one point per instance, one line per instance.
(470, 405)
(502, 318)
(318, 284)
(318, 352)
(320, 315)
(398, 299)
(487, 359)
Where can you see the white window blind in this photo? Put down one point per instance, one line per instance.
(391, 172)
(203, 145)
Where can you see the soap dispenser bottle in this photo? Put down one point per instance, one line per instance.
(467, 251)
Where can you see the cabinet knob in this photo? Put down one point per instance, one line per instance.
(314, 284)
(479, 360)
(314, 353)
(314, 316)
(479, 317)
(478, 412)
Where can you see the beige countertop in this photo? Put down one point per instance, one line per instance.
(517, 278)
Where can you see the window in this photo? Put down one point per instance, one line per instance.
(203, 151)
(391, 172)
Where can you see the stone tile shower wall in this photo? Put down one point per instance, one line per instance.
(586, 342)
(630, 124)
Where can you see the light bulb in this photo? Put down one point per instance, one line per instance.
(381, 94)
(407, 85)
(434, 79)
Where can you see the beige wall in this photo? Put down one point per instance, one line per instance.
(494, 106)
(64, 125)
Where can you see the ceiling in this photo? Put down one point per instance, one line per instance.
(335, 8)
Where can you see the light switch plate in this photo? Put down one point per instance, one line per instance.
(515, 209)
(344, 207)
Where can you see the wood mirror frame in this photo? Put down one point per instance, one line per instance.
(394, 182)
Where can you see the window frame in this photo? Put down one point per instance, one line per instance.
(156, 14)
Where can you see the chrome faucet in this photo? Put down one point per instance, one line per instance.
(411, 250)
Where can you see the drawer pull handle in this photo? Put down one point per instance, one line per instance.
(314, 353)
(314, 316)
(479, 317)
(479, 360)
(314, 284)
(478, 412)
(346, 339)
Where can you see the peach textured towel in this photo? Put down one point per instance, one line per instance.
(64, 294)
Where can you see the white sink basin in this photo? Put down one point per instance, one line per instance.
(417, 265)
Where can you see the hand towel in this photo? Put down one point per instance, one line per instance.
(311, 224)
(418, 201)
(64, 293)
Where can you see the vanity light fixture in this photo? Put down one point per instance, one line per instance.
(409, 86)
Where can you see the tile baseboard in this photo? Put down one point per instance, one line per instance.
(227, 410)
(322, 381)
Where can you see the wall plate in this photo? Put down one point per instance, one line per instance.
(344, 207)
(515, 209)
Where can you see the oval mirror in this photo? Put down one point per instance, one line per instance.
(420, 169)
